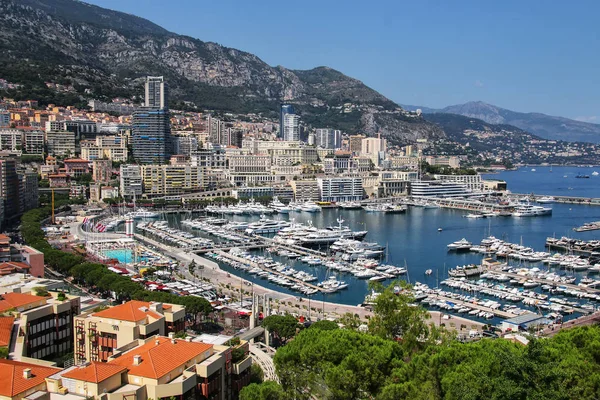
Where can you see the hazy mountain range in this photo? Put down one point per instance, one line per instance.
(542, 125)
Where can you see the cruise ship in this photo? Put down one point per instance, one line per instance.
(528, 210)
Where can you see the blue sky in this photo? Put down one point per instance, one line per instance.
(522, 55)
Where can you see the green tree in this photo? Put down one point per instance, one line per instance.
(268, 390)
(283, 327)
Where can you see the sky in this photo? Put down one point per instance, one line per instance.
(528, 56)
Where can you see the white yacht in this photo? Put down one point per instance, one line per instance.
(310, 206)
(266, 226)
(350, 205)
(141, 214)
(462, 244)
(546, 200)
(595, 173)
(279, 206)
(528, 210)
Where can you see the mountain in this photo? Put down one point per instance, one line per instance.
(102, 53)
(545, 126)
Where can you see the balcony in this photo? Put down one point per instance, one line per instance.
(241, 366)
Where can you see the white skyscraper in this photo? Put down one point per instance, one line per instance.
(291, 127)
(157, 92)
(328, 138)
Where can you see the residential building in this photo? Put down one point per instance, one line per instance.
(33, 142)
(284, 110)
(101, 170)
(95, 193)
(10, 187)
(98, 334)
(306, 190)
(185, 144)
(450, 161)
(341, 189)
(113, 147)
(374, 148)
(50, 168)
(58, 180)
(472, 182)
(75, 167)
(328, 138)
(60, 143)
(151, 136)
(10, 139)
(120, 108)
(28, 190)
(355, 144)
(77, 191)
(131, 180)
(291, 127)
(156, 92)
(161, 368)
(244, 170)
(169, 180)
(109, 192)
(216, 130)
(4, 119)
(19, 380)
(45, 324)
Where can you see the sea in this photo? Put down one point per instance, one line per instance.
(414, 241)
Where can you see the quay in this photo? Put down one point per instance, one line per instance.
(471, 205)
(253, 264)
(496, 312)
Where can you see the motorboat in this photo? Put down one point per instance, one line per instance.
(546, 200)
(266, 226)
(460, 245)
(310, 206)
(350, 205)
(528, 210)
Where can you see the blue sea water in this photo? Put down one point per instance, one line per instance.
(413, 239)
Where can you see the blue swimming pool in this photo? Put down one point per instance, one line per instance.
(124, 256)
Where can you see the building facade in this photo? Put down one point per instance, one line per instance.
(341, 189)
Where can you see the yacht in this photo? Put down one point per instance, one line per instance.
(546, 200)
(141, 214)
(279, 206)
(266, 226)
(350, 205)
(528, 210)
(310, 206)
(460, 245)
(595, 173)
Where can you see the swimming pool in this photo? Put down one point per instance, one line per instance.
(124, 256)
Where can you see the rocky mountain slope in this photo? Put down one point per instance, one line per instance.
(103, 53)
(545, 126)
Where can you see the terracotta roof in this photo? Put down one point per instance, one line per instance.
(95, 372)
(14, 300)
(162, 358)
(133, 310)
(57, 176)
(12, 381)
(9, 267)
(76, 160)
(6, 325)
(4, 237)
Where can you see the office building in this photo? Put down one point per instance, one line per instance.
(28, 191)
(98, 334)
(328, 138)
(291, 127)
(156, 93)
(285, 109)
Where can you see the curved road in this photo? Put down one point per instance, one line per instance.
(265, 362)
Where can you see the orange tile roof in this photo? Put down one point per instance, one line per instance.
(14, 300)
(131, 311)
(95, 372)
(4, 237)
(162, 358)
(12, 382)
(6, 325)
(76, 160)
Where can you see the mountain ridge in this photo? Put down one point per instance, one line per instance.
(542, 125)
(108, 52)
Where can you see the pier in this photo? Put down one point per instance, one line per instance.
(496, 312)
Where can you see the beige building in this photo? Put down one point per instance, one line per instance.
(374, 148)
(97, 334)
(113, 148)
(169, 180)
(60, 143)
(306, 190)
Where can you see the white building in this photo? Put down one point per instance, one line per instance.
(341, 189)
(10, 139)
(374, 148)
(112, 147)
(328, 138)
(471, 182)
(291, 127)
(60, 143)
(33, 142)
(131, 180)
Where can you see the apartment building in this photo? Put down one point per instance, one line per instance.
(97, 334)
(19, 380)
(374, 148)
(341, 189)
(168, 180)
(60, 143)
(131, 180)
(11, 140)
(471, 182)
(33, 142)
(451, 161)
(112, 147)
(306, 190)
(28, 190)
(101, 170)
(160, 368)
(75, 167)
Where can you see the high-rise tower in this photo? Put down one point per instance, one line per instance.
(285, 109)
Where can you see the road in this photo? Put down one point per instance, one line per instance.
(265, 362)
